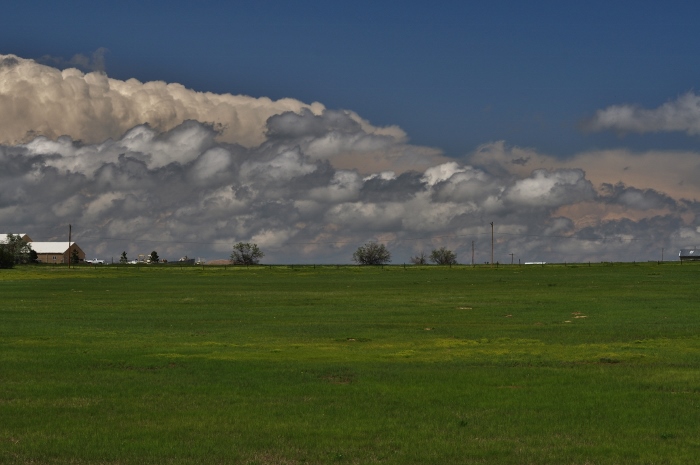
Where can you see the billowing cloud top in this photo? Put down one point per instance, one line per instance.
(41, 100)
(138, 167)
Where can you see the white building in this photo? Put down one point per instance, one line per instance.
(56, 252)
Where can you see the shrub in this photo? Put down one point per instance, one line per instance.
(245, 253)
(443, 256)
(371, 254)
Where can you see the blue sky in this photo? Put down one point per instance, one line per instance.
(452, 75)
(572, 126)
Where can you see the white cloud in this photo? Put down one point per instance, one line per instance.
(682, 115)
(212, 163)
(550, 189)
(41, 100)
(441, 172)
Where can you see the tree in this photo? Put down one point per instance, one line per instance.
(7, 259)
(245, 253)
(154, 257)
(16, 248)
(443, 256)
(74, 257)
(371, 254)
(123, 260)
(420, 259)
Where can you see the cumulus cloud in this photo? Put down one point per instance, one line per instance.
(93, 107)
(42, 100)
(308, 184)
(680, 115)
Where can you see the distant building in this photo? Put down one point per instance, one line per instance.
(49, 252)
(689, 254)
(56, 252)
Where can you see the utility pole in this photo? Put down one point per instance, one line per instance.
(511, 257)
(492, 244)
(472, 253)
(662, 254)
(69, 234)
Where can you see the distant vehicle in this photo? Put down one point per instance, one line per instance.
(95, 261)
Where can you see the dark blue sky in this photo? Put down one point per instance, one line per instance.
(451, 75)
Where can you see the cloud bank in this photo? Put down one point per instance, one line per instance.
(308, 184)
(680, 115)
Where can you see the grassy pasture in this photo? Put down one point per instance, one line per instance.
(516, 365)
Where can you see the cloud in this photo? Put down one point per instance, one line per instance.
(638, 199)
(307, 183)
(550, 189)
(42, 100)
(672, 173)
(39, 100)
(349, 142)
(680, 115)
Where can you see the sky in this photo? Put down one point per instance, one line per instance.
(311, 128)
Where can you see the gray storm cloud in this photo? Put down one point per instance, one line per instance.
(682, 115)
(138, 167)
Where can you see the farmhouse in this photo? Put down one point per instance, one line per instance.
(56, 252)
(689, 254)
(49, 252)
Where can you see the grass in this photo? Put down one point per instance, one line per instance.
(521, 365)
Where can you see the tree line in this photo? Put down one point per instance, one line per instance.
(372, 253)
(16, 251)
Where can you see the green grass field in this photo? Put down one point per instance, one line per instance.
(516, 365)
